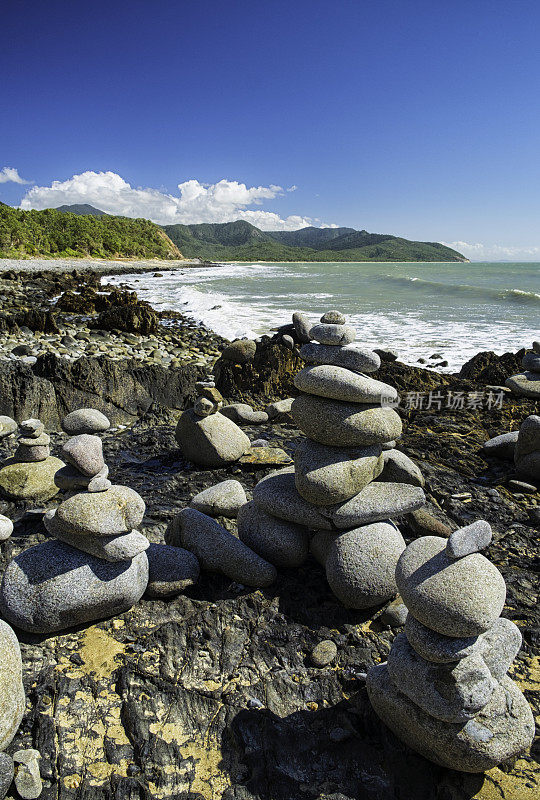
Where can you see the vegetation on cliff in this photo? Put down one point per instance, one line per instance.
(52, 233)
(241, 241)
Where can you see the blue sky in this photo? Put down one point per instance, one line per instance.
(414, 118)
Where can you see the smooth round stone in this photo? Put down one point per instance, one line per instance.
(502, 446)
(360, 564)
(85, 420)
(6, 528)
(203, 407)
(217, 550)
(395, 613)
(333, 335)
(399, 468)
(277, 495)
(27, 776)
(302, 326)
(345, 424)
(525, 384)
(53, 586)
(470, 539)
(452, 693)
(28, 454)
(7, 426)
(12, 697)
(283, 544)
(503, 729)
(459, 598)
(338, 383)
(350, 357)
(328, 475)
(333, 318)
(30, 482)
(69, 478)
(528, 437)
(85, 453)
(111, 513)
(223, 499)
(531, 361)
(323, 653)
(243, 414)
(171, 570)
(109, 548)
(240, 351)
(210, 441)
(280, 410)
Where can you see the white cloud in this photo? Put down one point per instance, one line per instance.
(224, 201)
(495, 252)
(11, 175)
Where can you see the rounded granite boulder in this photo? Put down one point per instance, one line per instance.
(458, 598)
(338, 383)
(332, 334)
(118, 510)
(30, 482)
(171, 570)
(283, 544)
(327, 475)
(360, 564)
(340, 424)
(6, 528)
(224, 499)
(350, 356)
(12, 697)
(211, 441)
(85, 420)
(53, 586)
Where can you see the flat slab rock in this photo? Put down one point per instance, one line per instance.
(503, 729)
(525, 384)
(265, 457)
(338, 383)
(277, 495)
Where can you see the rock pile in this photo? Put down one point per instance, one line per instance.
(97, 567)
(333, 486)
(207, 437)
(527, 452)
(29, 475)
(444, 689)
(527, 383)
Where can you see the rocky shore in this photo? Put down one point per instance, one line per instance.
(226, 691)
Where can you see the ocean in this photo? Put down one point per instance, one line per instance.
(453, 310)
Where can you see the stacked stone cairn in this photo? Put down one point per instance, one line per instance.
(95, 566)
(332, 488)
(527, 383)
(527, 452)
(29, 475)
(444, 689)
(207, 437)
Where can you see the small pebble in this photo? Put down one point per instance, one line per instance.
(323, 653)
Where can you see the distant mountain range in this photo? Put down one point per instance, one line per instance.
(241, 241)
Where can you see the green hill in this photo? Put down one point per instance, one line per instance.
(241, 241)
(82, 208)
(55, 234)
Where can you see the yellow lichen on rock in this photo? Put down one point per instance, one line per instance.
(99, 651)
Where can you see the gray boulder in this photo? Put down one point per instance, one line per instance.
(29, 482)
(399, 468)
(338, 383)
(27, 776)
(7, 426)
(280, 410)
(12, 697)
(243, 414)
(85, 420)
(302, 326)
(500, 645)
(328, 475)
(85, 453)
(528, 437)
(240, 351)
(6, 528)
(110, 548)
(171, 570)
(470, 539)
(111, 513)
(53, 586)
(531, 361)
(211, 441)
(223, 499)
(350, 357)
(277, 495)
(439, 648)
(283, 544)
(360, 564)
(333, 335)
(333, 318)
(503, 729)
(459, 598)
(345, 424)
(7, 771)
(502, 446)
(452, 693)
(69, 479)
(217, 550)
(525, 384)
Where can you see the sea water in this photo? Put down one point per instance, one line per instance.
(452, 310)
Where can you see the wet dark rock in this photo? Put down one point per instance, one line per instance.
(140, 318)
(489, 368)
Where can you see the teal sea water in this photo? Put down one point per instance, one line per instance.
(453, 309)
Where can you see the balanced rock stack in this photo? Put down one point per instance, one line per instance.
(29, 475)
(97, 567)
(527, 451)
(333, 485)
(207, 437)
(444, 689)
(527, 384)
